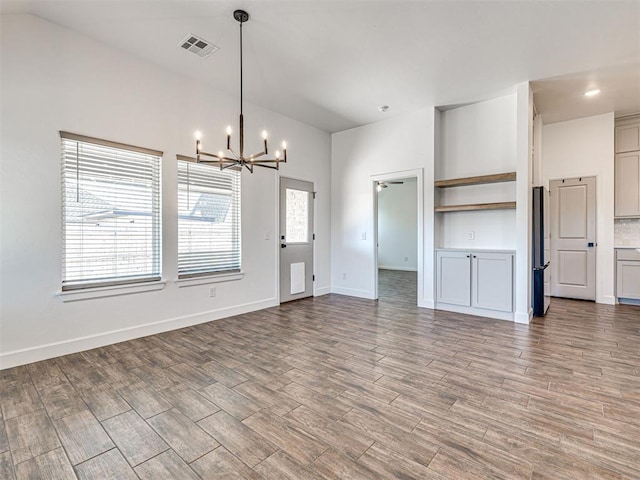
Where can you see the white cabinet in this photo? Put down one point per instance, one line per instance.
(479, 280)
(454, 277)
(628, 279)
(492, 281)
(628, 137)
(627, 187)
(627, 274)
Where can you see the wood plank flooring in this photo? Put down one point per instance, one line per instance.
(339, 388)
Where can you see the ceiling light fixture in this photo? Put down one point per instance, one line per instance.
(238, 159)
(591, 93)
(383, 108)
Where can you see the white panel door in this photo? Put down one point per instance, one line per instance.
(573, 238)
(492, 282)
(296, 239)
(454, 277)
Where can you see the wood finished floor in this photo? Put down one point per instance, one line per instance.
(339, 388)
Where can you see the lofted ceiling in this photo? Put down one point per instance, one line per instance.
(332, 63)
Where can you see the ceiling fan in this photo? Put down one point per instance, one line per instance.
(382, 185)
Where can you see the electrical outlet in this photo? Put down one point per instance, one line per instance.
(344, 276)
(406, 259)
(212, 291)
(364, 235)
(472, 235)
(267, 236)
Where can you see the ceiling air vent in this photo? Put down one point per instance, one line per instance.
(199, 46)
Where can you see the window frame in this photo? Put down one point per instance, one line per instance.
(199, 276)
(74, 287)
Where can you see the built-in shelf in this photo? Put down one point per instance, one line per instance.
(459, 182)
(479, 180)
(476, 206)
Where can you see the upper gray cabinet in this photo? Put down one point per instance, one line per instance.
(627, 189)
(627, 168)
(628, 138)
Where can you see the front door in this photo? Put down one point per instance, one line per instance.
(573, 238)
(296, 239)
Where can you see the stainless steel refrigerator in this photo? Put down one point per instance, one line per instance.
(541, 297)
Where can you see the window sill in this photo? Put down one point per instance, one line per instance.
(213, 278)
(116, 290)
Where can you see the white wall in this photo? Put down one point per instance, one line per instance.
(59, 80)
(582, 148)
(384, 149)
(398, 226)
(524, 211)
(477, 139)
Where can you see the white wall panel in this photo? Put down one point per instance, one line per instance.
(60, 80)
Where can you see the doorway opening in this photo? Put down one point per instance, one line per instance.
(398, 238)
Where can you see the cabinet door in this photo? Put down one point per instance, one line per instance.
(628, 279)
(492, 281)
(628, 138)
(454, 277)
(627, 187)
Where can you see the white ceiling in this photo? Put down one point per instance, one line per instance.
(332, 63)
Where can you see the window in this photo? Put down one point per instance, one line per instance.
(111, 213)
(208, 219)
(297, 224)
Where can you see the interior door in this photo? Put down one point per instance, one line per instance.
(573, 238)
(296, 239)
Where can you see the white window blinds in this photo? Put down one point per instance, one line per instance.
(208, 219)
(111, 213)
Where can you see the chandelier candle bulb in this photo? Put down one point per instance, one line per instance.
(264, 139)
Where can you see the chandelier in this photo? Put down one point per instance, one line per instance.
(234, 158)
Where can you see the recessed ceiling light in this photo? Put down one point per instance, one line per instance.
(383, 108)
(591, 93)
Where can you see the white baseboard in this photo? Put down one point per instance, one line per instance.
(322, 291)
(523, 317)
(404, 269)
(424, 303)
(352, 292)
(51, 350)
(607, 300)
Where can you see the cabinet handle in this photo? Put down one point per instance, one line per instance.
(475, 256)
(468, 256)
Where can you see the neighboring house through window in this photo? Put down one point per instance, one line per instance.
(111, 210)
(208, 219)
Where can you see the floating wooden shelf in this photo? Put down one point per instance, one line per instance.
(476, 206)
(495, 178)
